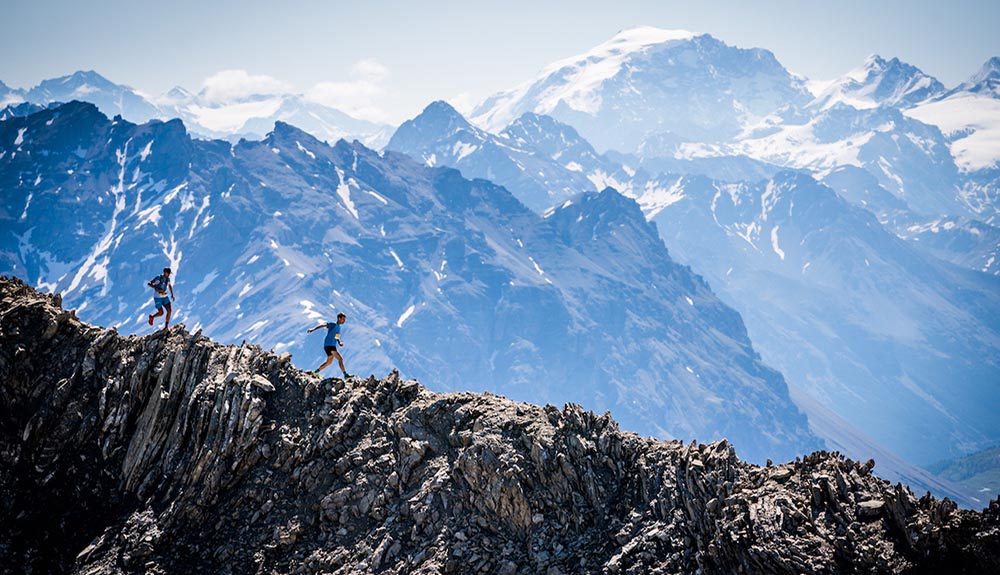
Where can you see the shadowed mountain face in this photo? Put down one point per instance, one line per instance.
(169, 453)
(450, 280)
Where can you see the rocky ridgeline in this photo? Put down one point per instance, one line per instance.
(169, 453)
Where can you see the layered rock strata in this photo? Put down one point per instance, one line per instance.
(169, 453)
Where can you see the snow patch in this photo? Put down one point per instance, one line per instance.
(406, 315)
(344, 191)
(774, 243)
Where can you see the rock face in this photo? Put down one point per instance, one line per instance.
(169, 453)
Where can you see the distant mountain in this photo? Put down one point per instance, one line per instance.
(648, 83)
(969, 115)
(440, 276)
(985, 82)
(112, 99)
(880, 82)
(253, 117)
(897, 343)
(978, 472)
(541, 161)
(794, 306)
(545, 162)
(10, 96)
(250, 117)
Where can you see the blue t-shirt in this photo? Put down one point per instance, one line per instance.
(332, 329)
(160, 284)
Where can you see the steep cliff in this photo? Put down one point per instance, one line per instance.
(169, 453)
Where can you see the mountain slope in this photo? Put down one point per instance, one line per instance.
(171, 454)
(899, 344)
(89, 86)
(647, 82)
(439, 275)
(250, 115)
(879, 82)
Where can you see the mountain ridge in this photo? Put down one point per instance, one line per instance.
(169, 453)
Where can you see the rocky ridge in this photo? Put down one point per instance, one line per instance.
(169, 453)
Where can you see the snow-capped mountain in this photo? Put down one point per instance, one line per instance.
(909, 158)
(879, 82)
(985, 82)
(544, 162)
(647, 83)
(249, 116)
(972, 244)
(253, 117)
(9, 96)
(901, 345)
(112, 99)
(438, 274)
(540, 161)
(969, 116)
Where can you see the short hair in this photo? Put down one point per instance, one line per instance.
(166, 270)
(341, 315)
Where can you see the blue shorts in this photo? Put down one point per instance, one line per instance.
(161, 302)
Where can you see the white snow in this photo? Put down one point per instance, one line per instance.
(20, 136)
(574, 167)
(229, 118)
(406, 315)
(461, 150)
(774, 243)
(24, 214)
(399, 262)
(95, 265)
(246, 289)
(253, 259)
(537, 269)
(689, 300)
(377, 197)
(976, 114)
(655, 198)
(309, 311)
(575, 81)
(344, 191)
(304, 150)
(146, 151)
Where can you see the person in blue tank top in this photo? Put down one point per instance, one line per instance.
(160, 285)
(331, 342)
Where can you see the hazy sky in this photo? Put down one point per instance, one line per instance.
(386, 60)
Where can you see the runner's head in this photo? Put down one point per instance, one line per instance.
(166, 271)
(341, 317)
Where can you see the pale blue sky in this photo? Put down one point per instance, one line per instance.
(388, 59)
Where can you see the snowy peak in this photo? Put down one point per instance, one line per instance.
(89, 86)
(547, 135)
(986, 80)
(879, 82)
(439, 121)
(645, 82)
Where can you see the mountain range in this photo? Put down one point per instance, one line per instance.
(245, 116)
(854, 229)
(439, 275)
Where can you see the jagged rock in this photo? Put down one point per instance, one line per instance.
(172, 454)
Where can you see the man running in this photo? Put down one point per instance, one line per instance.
(331, 343)
(160, 285)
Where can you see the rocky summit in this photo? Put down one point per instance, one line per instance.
(169, 453)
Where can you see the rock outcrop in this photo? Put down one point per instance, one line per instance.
(169, 453)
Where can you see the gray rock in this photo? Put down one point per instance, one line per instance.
(161, 454)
